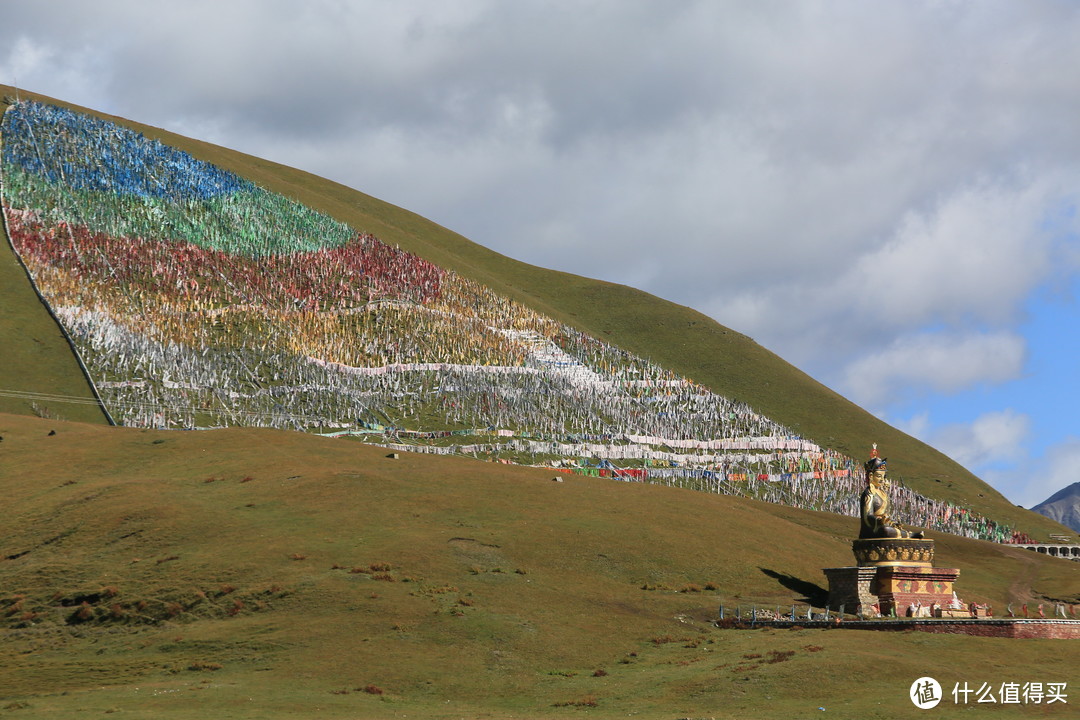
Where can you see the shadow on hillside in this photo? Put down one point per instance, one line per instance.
(813, 595)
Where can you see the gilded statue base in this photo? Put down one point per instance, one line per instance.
(884, 552)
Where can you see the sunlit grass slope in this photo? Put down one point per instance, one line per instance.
(266, 574)
(674, 336)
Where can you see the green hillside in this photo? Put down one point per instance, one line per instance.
(676, 337)
(251, 573)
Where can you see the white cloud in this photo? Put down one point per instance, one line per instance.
(993, 437)
(72, 72)
(944, 362)
(975, 255)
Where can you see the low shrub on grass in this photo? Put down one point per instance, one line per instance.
(587, 701)
(82, 614)
(778, 656)
(200, 665)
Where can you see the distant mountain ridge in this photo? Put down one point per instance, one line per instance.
(1063, 506)
(716, 362)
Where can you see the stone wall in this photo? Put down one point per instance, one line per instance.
(1003, 628)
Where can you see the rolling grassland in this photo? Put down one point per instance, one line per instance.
(264, 573)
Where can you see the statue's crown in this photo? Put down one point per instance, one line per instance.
(875, 463)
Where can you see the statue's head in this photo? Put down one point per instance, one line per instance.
(875, 471)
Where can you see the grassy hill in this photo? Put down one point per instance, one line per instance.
(261, 573)
(255, 573)
(673, 336)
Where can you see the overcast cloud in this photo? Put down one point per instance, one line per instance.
(875, 191)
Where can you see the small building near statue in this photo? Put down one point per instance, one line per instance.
(894, 574)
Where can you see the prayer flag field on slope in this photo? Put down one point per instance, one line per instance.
(197, 298)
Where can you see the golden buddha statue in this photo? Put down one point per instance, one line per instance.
(874, 503)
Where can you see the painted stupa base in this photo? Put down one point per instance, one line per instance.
(879, 590)
(883, 552)
(918, 591)
(893, 575)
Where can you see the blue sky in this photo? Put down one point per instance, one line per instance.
(1029, 436)
(884, 194)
